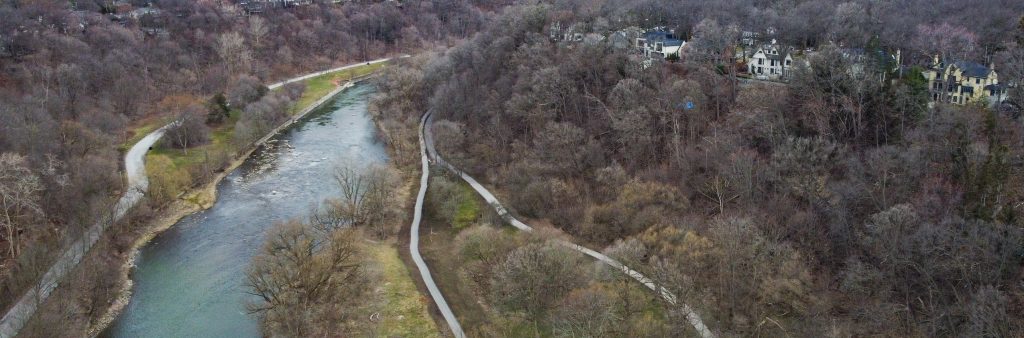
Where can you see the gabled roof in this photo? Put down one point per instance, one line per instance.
(972, 69)
(783, 53)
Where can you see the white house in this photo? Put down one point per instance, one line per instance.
(770, 62)
(659, 44)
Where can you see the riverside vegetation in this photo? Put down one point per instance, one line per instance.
(835, 205)
(78, 87)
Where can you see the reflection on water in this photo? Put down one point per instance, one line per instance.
(189, 281)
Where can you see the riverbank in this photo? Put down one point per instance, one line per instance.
(83, 293)
(193, 201)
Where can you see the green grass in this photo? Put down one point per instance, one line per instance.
(321, 85)
(183, 161)
(469, 209)
(137, 133)
(403, 310)
(220, 141)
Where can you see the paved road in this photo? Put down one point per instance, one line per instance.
(665, 294)
(135, 171)
(414, 243)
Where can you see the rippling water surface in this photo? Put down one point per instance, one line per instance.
(189, 281)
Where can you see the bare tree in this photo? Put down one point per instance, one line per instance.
(19, 197)
(189, 130)
(306, 282)
(585, 313)
(257, 29)
(367, 200)
(534, 277)
(232, 49)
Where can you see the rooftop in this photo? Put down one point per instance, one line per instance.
(972, 69)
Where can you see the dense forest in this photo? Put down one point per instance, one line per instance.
(838, 204)
(78, 79)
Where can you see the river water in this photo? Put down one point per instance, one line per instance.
(189, 281)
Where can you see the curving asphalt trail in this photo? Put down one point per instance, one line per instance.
(691, 316)
(332, 70)
(414, 243)
(135, 172)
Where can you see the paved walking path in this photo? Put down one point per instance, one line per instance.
(665, 294)
(414, 243)
(135, 171)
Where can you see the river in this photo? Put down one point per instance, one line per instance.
(189, 280)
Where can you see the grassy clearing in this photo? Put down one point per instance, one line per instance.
(468, 209)
(437, 236)
(456, 202)
(402, 309)
(321, 85)
(142, 128)
(220, 142)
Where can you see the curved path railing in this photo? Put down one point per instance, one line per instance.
(135, 171)
(665, 294)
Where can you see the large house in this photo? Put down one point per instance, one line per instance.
(963, 82)
(770, 62)
(659, 44)
(876, 62)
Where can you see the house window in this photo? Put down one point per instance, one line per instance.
(787, 62)
(977, 81)
(760, 61)
(760, 70)
(773, 71)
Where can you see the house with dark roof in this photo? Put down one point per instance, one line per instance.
(659, 44)
(876, 62)
(962, 82)
(771, 62)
